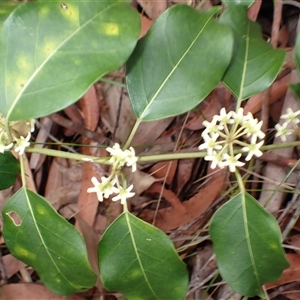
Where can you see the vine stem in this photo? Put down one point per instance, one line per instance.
(22, 167)
(148, 158)
(75, 156)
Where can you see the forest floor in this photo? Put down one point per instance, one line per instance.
(177, 196)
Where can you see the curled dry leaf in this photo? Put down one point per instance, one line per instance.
(12, 265)
(164, 169)
(74, 115)
(184, 212)
(140, 180)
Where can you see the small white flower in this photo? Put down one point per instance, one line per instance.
(253, 149)
(226, 133)
(124, 194)
(253, 129)
(22, 143)
(210, 142)
(4, 147)
(238, 117)
(212, 126)
(119, 157)
(282, 131)
(231, 161)
(291, 116)
(215, 159)
(131, 159)
(224, 117)
(104, 188)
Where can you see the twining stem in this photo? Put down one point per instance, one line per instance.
(148, 158)
(68, 155)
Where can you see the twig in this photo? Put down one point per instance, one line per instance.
(276, 22)
(291, 2)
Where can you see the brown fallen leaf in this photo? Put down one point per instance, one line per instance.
(88, 202)
(278, 90)
(146, 23)
(91, 241)
(294, 240)
(30, 291)
(164, 168)
(74, 115)
(172, 217)
(12, 265)
(184, 172)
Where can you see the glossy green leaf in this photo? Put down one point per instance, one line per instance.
(247, 243)
(255, 64)
(247, 3)
(178, 63)
(36, 234)
(9, 170)
(6, 7)
(297, 53)
(52, 51)
(140, 261)
(296, 89)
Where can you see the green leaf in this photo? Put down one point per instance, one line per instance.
(295, 87)
(178, 63)
(238, 2)
(255, 63)
(247, 243)
(9, 170)
(297, 53)
(6, 7)
(51, 52)
(36, 234)
(140, 261)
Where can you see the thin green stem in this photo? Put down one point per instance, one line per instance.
(125, 207)
(240, 182)
(133, 131)
(147, 158)
(280, 146)
(238, 105)
(75, 156)
(22, 168)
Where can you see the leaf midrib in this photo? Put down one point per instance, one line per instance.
(137, 255)
(42, 239)
(245, 64)
(174, 68)
(250, 251)
(14, 103)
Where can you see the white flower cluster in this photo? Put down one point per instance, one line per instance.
(285, 129)
(18, 137)
(229, 132)
(111, 185)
